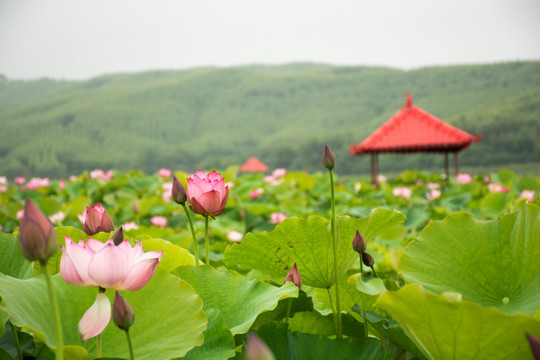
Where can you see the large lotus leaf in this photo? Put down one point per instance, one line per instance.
(218, 340)
(173, 255)
(308, 243)
(315, 323)
(287, 345)
(12, 262)
(444, 327)
(169, 319)
(492, 263)
(493, 205)
(239, 300)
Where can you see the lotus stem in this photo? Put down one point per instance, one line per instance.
(289, 307)
(192, 235)
(206, 241)
(131, 355)
(16, 339)
(334, 317)
(364, 301)
(55, 312)
(335, 248)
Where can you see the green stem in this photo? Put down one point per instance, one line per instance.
(335, 248)
(40, 352)
(192, 235)
(206, 241)
(131, 355)
(374, 273)
(16, 339)
(289, 307)
(55, 312)
(364, 301)
(98, 338)
(334, 317)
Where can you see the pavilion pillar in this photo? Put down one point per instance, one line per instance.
(376, 170)
(446, 169)
(456, 163)
(372, 168)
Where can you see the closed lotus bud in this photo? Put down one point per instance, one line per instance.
(178, 192)
(294, 277)
(38, 238)
(359, 243)
(367, 259)
(97, 220)
(256, 349)
(122, 313)
(534, 343)
(118, 236)
(329, 159)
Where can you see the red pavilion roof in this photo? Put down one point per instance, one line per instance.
(412, 129)
(253, 165)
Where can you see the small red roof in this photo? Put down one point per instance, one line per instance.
(253, 165)
(412, 129)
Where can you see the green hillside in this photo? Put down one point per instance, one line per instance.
(212, 118)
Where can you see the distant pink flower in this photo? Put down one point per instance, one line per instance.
(381, 178)
(20, 180)
(463, 178)
(57, 217)
(403, 192)
(159, 221)
(235, 236)
(357, 187)
(99, 174)
(119, 267)
(20, 214)
(207, 193)
(277, 217)
(61, 184)
(36, 183)
(73, 178)
(433, 194)
(3, 188)
(166, 173)
(167, 191)
(96, 219)
(254, 194)
(433, 185)
(272, 180)
(495, 187)
(130, 226)
(528, 195)
(3, 180)
(279, 172)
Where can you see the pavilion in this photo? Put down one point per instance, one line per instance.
(410, 130)
(253, 165)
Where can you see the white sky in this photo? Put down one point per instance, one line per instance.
(79, 39)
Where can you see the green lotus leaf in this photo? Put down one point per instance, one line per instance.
(239, 300)
(173, 255)
(169, 319)
(374, 286)
(218, 340)
(287, 345)
(492, 263)
(308, 243)
(12, 261)
(445, 329)
(493, 205)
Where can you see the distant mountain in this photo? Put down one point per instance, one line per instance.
(212, 117)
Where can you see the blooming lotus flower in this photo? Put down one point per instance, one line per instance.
(159, 221)
(96, 219)
(279, 172)
(207, 193)
(165, 173)
(235, 236)
(528, 195)
(463, 178)
(131, 225)
(20, 180)
(38, 238)
(108, 266)
(433, 194)
(403, 192)
(276, 217)
(36, 183)
(254, 194)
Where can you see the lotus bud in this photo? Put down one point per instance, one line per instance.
(256, 349)
(329, 159)
(135, 208)
(534, 343)
(178, 192)
(359, 243)
(118, 236)
(97, 220)
(122, 313)
(37, 236)
(367, 259)
(294, 277)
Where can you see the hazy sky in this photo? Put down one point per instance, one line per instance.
(79, 39)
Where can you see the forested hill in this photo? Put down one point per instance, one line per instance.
(216, 117)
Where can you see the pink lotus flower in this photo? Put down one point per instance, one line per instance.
(432, 185)
(403, 192)
(96, 219)
(276, 217)
(165, 173)
(36, 183)
(254, 194)
(528, 195)
(108, 266)
(159, 221)
(20, 180)
(167, 191)
(433, 194)
(235, 236)
(279, 172)
(99, 174)
(463, 178)
(272, 180)
(207, 193)
(130, 226)
(495, 187)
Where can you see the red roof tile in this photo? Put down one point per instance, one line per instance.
(414, 130)
(253, 165)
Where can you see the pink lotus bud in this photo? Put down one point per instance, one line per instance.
(96, 318)
(534, 343)
(103, 264)
(118, 236)
(20, 180)
(256, 349)
(254, 194)
(159, 221)
(207, 193)
(96, 219)
(235, 236)
(276, 217)
(165, 173)
(122, 313)
(37, 236)
(178, 192)
(329, 159)
(294, 277)
(359, 243)
(367, 259)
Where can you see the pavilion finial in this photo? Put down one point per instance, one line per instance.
(408, 102)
